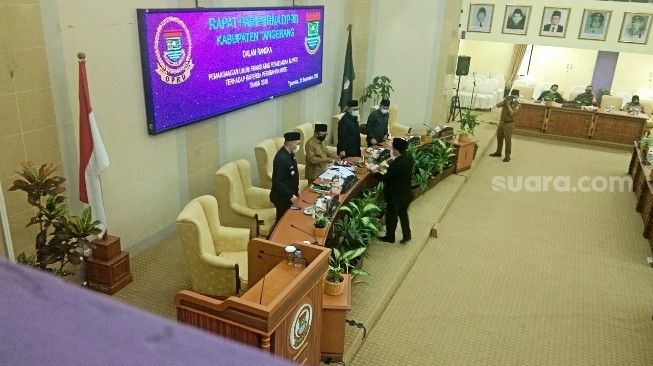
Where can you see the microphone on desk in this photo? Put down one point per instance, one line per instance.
(265, 271)
(305, 232)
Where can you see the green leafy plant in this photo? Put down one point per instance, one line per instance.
(343, 262)
(60, 236)
(645, 142)
(359, 226)
(321, 222)
(374, 196)
(379, 88)
(468, 122)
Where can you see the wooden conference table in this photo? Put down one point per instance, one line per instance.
(641, 174)
(615, 127)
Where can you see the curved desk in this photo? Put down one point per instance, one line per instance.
(284, 232)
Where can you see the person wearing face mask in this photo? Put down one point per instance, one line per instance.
(317, 155)
(587, 98)
(396, 190)
(285, 176)
(377, 124)
(553, 92)
(349, 143)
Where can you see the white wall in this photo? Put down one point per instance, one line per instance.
(633, 71)
(567, 67)
(487, 57)
(406, 42)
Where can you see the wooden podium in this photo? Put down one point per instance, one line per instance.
(281, 312)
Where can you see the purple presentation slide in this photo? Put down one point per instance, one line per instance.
(200, 63)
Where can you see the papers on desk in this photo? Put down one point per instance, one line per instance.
(337, 171)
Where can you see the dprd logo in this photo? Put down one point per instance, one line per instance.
(312, 40)
(301, 325)
(173, 48)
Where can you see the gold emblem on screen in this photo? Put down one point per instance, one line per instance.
(174, 62)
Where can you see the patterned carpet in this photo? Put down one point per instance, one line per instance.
(514, 278)
(526, 278)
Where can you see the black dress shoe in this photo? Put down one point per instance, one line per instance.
(386, 239)
(496, 154)
(506, 159)
(405, 240)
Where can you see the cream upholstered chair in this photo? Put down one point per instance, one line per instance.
(265, 152)
(648, 106)
(525, 92)
(306, 131)
(216, 254)
(242, 204)
(613, 100)
(395, 128)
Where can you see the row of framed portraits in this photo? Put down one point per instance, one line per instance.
(635, 27)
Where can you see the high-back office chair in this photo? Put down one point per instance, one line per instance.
(241, 204)
(525, 92)
(612, 100)
(216, 254)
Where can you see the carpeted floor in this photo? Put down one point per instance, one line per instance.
(526, 278)
(514, 277)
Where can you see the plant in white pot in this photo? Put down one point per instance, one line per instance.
(339, 263)
(468, 122)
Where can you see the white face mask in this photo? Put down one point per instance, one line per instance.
(295, 149)
(354, 113)
(385, 111)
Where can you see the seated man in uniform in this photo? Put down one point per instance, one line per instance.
(586, 98)
(553, 92)
(377, 124)
(633, 106)
(317, 156)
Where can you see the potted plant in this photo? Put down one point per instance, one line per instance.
(357, 228)
(319, 225)
(468, 122)
(341, 262)
(379, 88)
(61, 237)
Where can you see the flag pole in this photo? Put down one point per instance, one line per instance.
(6, 235)
(81, 56)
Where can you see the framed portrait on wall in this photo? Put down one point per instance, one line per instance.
(635, 28)
(516, 19)
(480, 18)
(554, 22)
(595, 24)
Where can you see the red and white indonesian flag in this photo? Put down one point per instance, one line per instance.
(93, 158)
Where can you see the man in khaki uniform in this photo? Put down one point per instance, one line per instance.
(317, 155)
(510, 106)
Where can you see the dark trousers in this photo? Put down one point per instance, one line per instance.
(504, 132)
(393, 211)
(281, 209)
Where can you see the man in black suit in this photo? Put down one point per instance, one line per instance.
(554, 26)
(349, 142)
(377, 124)
(396, 190)
(285, 176)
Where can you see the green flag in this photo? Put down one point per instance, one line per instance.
(346, 94)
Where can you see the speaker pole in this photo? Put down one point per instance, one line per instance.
(454, 109)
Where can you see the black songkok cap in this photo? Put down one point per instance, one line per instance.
(352, 103)
(399, 144)
(291, 136)
(320, 127)
(385, 102)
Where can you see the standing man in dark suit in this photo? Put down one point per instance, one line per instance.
(377, 124)
(349, 142)
(396, 189)
(554, 26)
(285, 176)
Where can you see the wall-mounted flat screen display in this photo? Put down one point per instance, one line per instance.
(200, 63)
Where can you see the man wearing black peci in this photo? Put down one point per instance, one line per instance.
(377, 124)
(349, 142)
(396, 190)
(285, 176)
(553, 93)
